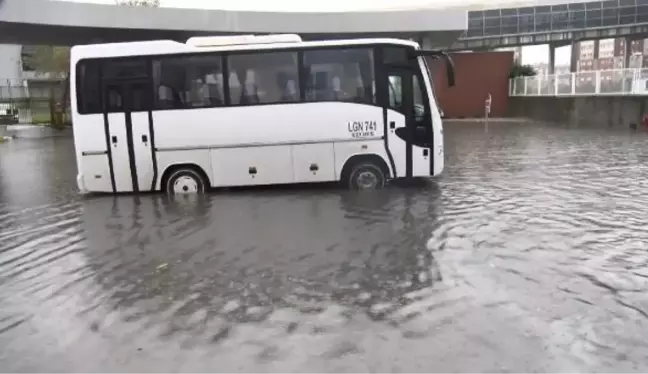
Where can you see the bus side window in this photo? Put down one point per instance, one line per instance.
(264, 78)
(420, 106)
(188, 82)
(395, 92)
(88, 87)
(340, 75)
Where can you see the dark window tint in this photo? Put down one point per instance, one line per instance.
(140, 96)
(493, 26)
(88, 86)
(124, 69)
(509, 25)
(263, 78)
(339, 75)
(593, 18)
(188, 82)
(526, 23)
(475, 14)
(128, 96)
(560, 20)
(576, 19)
(526, 10)
(127, 85)
(494, 13)
(610, 17)
(543, 22)
(476, 27)
(642, 13)
(395, 55)
(627, 15)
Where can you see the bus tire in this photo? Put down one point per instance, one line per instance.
(366, 175)
(185, 180)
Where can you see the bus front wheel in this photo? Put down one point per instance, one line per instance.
(366, 176)
(187, 180)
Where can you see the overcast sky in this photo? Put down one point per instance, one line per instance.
(530, 54)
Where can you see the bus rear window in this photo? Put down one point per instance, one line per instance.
(87, 87)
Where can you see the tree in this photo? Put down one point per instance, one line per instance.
(142, 3)
(48, 59)
(518, 70)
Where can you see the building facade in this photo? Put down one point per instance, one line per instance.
(10, 64)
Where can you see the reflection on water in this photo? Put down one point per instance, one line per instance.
(529, 254)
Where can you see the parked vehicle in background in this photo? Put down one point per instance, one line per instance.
(253, 110)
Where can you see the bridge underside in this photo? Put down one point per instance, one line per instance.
(21, 33)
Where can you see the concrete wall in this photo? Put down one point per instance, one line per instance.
(10, 66)
(599, 111)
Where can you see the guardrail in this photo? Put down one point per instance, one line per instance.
(584, 83)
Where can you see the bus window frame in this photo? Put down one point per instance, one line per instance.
(376, 49)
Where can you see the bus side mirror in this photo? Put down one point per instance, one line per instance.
(450, 69)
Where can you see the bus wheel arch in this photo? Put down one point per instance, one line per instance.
(365, 171)
(184, 178)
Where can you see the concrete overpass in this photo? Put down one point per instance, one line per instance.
(67, 23)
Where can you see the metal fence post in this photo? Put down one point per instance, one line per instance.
(525, 86)
(573, 83)
(597, 82)
(11, 104)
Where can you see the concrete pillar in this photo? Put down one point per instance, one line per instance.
(552, 58)
(575, 52)
(627, 52)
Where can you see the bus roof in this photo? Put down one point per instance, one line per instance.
(162, 47)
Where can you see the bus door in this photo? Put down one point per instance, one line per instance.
(407, 98)
(127, 104)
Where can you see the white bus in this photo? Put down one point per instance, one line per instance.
(253, 110)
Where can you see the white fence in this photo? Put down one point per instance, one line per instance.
(584, 83)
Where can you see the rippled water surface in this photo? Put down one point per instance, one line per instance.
(528, 254)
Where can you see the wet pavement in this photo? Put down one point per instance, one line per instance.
(530, 253)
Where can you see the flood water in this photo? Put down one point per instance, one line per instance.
(530, 253)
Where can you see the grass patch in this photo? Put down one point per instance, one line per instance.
(41, 119)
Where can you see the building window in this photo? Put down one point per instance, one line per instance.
(188, 82)
(263, 78)
(339, 75)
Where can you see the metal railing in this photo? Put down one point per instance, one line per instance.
(584, 83)
(33, 104)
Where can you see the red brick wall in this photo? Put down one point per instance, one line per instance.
(477, 74)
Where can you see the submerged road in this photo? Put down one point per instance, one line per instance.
(530, 253)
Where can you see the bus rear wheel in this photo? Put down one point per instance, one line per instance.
(366, 176)
(185, 181)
